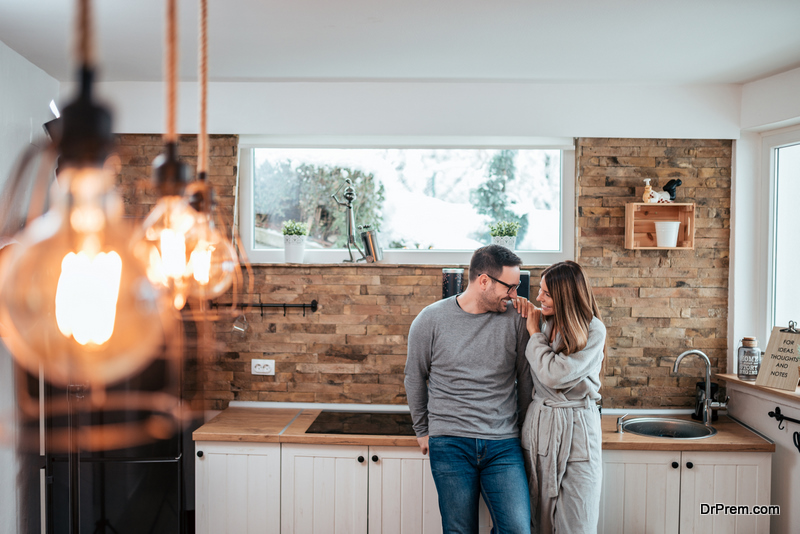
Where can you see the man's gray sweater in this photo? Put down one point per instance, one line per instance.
(466, 374)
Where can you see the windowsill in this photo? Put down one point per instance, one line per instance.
(746, 384)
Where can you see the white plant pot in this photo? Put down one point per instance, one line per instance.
(294, 248)
(507, 241)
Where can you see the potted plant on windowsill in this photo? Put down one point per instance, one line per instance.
(504, 233)
(294, 241)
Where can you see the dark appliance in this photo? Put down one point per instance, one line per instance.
(452, 280)
(524, 289)
(139, 489)
(364, 423)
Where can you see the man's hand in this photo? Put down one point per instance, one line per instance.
(423, 444)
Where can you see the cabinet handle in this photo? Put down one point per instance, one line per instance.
(375, 458)
(675, 465)
(199, 454)
(361, 459)
(689, 465)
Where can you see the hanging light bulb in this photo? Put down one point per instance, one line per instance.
(165, 244)
(213, 261)
(74, 298)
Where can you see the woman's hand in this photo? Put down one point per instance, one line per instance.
(529, 311)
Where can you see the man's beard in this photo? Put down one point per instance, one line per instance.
(494, 305)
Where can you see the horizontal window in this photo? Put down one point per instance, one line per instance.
(429, 205)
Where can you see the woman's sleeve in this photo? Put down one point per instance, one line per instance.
(557, 370)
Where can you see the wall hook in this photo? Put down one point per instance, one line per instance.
(781, 418)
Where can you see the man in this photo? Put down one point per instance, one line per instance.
(468, 385)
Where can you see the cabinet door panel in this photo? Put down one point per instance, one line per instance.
(640, 492)
(237, 488)
(323, 489)
(726, 478)
(402, 495)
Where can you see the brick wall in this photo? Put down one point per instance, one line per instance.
(655, 303)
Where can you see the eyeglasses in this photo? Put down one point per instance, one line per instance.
(509, 286)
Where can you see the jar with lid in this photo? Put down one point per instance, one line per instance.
(748, 358)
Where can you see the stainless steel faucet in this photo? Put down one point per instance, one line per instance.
(620, 424)
(709, 404)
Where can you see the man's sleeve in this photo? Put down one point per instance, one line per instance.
(418, 365)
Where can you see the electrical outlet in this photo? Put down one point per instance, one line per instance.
(262, 367)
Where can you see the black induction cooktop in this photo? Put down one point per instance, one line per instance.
(365, 423)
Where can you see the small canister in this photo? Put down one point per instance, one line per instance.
(748, 359)
(451, 282)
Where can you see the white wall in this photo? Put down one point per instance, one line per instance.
(752, 406)
(25, 95)
(767, 105)
(771, 102)
(436, 109)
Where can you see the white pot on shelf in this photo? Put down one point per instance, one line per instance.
(294, 248)
(506, 241)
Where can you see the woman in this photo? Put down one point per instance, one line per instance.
(561, 435)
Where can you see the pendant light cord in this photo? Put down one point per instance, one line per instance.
(84, 35)
(202, 139)
(171, 70)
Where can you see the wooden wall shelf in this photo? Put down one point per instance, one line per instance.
(640, 228)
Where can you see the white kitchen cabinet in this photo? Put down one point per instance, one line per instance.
(324, 489)
(402, 495)
(237, 487)
(729, 478)
(661, 491)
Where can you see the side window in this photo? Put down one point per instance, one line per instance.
(786, 228)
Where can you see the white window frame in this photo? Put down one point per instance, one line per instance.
(770, 143)
(405, 257)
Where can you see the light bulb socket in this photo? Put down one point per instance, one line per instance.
(170, 175)
(201, 195)
(83, 133)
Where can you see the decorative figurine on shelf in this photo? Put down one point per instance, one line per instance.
(660, 197)
(648, 191)
(349, 197)
(671, 186)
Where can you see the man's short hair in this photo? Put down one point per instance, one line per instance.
(490, 260)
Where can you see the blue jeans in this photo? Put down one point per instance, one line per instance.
(464, 468)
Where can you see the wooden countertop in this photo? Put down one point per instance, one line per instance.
(289, 425)
(247, 424)
(730, 437)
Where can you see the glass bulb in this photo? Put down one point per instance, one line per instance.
(213, 260)
(167, 244)
(74, 297)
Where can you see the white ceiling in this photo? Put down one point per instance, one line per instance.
(630, 41)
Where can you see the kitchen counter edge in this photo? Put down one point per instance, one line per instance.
(289, 425)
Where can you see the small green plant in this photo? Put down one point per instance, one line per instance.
(504, 229)
(295, 228)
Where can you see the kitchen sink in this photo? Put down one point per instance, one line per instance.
(667, 428)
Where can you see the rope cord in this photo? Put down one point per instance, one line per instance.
(84, 39)
(202, 138)
(171, 50)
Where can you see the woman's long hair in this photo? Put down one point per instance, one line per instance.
(573, 303)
